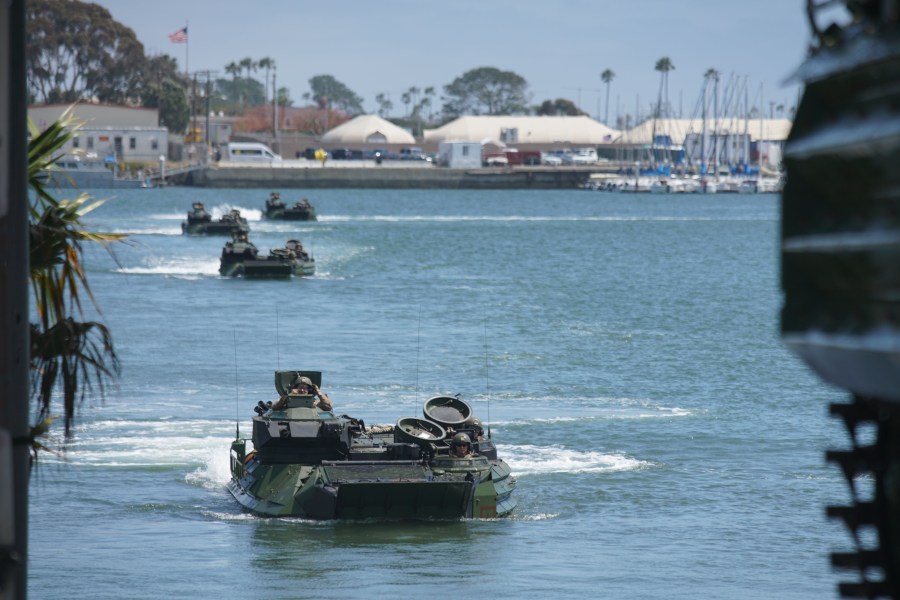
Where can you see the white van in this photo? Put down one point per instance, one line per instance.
(251, 152)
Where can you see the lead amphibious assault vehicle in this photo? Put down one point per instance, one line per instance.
(310, 463)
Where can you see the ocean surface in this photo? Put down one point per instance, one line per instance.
(623, 348)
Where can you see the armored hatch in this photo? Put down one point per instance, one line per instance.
(447, 411)
(284, 379)
(418, 431)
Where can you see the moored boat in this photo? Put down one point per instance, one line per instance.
(302, 210)
(309, 462)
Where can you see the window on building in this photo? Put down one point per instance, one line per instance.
(154, 144)
(465, 150)
(132, 143)
(510, 135)
(90, 142)
(75, 142)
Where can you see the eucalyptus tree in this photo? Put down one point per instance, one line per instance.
(76, 50)
(607, 76)
(166, 90)
(335, 94)
(559, 107)
(486, 90)
(284, 97)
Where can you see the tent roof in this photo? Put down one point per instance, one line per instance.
(531, 130)
(359, 129)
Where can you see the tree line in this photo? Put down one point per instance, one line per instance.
(76, 51)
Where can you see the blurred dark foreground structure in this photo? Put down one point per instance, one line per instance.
(841, 265)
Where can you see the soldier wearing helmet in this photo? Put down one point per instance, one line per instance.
(461, 446)
(303, 386)
(476, 426)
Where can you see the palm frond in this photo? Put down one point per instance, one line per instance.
(76, 357)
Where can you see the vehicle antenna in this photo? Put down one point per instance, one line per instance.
(418, 336)
(237, 415)
(487, 380)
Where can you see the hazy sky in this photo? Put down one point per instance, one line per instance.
(559, 47)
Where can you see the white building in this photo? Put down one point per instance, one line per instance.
(459, 155)
(524, 131)
(122, 133)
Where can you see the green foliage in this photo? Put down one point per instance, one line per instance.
(232, 96)
(77, 51)
(486, 90)
(66, 353)
(559, 107)
(331, 93)
(166, 89)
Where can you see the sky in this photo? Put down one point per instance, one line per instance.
(559, 47)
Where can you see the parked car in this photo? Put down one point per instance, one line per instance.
(550, 159)
(583, 156)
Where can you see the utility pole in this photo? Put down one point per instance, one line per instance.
(275, 112)
(208, 91)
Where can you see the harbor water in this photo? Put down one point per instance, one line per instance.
(624, 350)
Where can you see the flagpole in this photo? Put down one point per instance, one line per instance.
(187, 43)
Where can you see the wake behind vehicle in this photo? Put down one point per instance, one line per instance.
(308, 462)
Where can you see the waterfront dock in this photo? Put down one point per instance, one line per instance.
(403, 175)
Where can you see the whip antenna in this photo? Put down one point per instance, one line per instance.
(237, 415)
(487, 379)
(277, 345)
(418, 336)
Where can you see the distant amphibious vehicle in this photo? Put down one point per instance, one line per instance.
(302, 210)
(240, 257)
(308, 462)
(199, 222)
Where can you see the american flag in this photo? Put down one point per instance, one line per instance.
(179, 37)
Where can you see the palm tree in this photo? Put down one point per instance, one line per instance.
(607, 76)
(64, 352)
(234, 70)
(250, 65)
(429, 95)
(663, 65)
(268, 64)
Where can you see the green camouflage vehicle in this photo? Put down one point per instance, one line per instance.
(302, 210)
(240, 257)
(308, 462)
(199, 222)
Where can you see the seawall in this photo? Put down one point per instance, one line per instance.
(388, 177)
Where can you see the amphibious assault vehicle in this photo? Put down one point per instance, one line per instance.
(311, 463)
(302, 210)
(199, 222)
(240, 257)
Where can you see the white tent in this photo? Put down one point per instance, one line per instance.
(368, 129)
(512, 130)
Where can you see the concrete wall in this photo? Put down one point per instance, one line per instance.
(426, 178)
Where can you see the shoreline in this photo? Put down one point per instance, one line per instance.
(385, 177)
